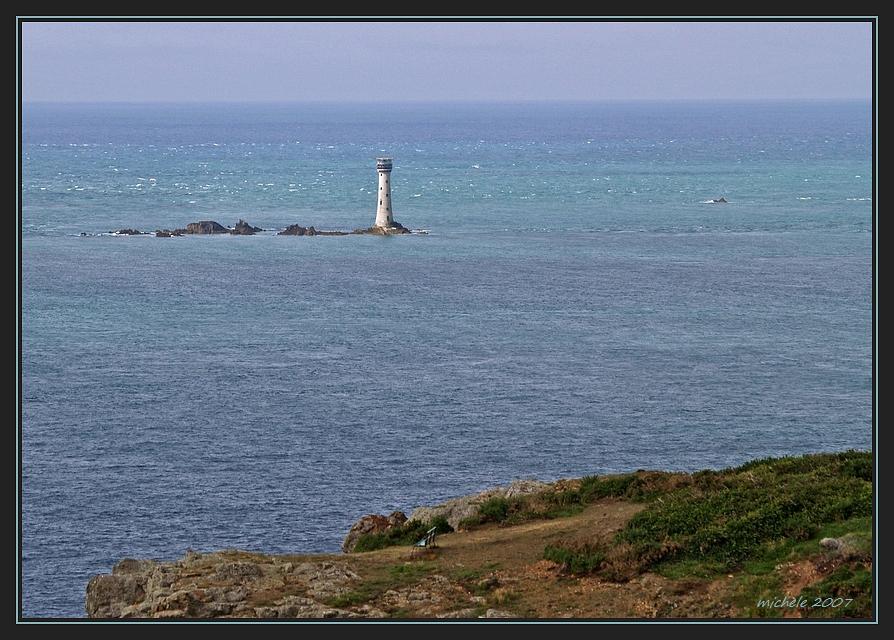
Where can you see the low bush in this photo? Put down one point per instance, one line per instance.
(576, 559)
(407, 534)
(714, 521)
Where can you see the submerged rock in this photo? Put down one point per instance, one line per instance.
(331, 233)
(128, 232)
(206, 227)
(720, 200)
(169, 233)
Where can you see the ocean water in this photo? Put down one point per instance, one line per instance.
(576, 307)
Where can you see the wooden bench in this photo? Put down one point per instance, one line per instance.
(429, 540)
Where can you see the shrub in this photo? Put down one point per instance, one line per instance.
(493, 510)
(593, 487)
(719, 519)
(576, 558)
(407, 534)
(847, 583)
(755, 504)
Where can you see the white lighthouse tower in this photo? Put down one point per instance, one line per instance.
(384, 215)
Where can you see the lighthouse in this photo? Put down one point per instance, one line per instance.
(384, 215)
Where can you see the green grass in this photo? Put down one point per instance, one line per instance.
(846, 593)
(407, 534)
(547, 505)
(751, 588)
(550, 504)
(472, 574)
(593, 488)
(408, 573)
(496, 509)
(578, 559)
(846, 582)
(751, 510)
(752, 517)
(396, 577)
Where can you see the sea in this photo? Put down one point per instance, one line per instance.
(579, 305)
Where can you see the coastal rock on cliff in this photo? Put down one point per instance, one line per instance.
(206, 227)
(458, 509)
(221, 585)
(369, 524)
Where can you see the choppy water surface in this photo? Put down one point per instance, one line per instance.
(577, 307)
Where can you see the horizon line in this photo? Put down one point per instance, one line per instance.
(867, 99)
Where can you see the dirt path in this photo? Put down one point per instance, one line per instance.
(523, 544)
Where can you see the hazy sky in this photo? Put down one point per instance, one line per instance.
(281, 61)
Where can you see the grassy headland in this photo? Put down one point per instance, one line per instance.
(752, 522)
(786, 537)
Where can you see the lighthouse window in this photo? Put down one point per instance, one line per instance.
(380, 202)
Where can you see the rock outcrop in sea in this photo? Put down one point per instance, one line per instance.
(169, 233)
(242, 228)
(205, 227)
(297, 230)
(395, 229)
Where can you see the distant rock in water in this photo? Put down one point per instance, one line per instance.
(369, 524)
(242, 228)
(297, 230)
(206, 227)
(720, 200)
(395, 229)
